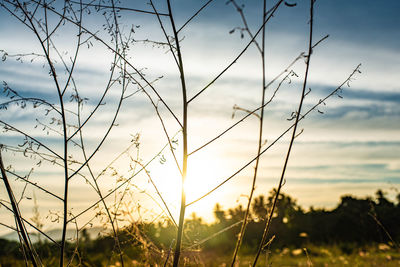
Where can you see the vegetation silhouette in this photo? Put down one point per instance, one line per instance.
(353, 224)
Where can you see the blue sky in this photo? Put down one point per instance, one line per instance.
(353, 148)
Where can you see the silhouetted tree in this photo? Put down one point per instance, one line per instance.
(260, 207)
(219, 214)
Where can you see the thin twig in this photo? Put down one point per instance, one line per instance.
(34, 184)
(240, 54)
(158, 193)
(31, 138)
(271, 213)
(214, 235)
(280, 136)
(249, 113)
(193, 16)
(120, 8)
(30, 224)
(165, 33)
(17, 214)
(260, 135)
(122, 57)
(122, 184)
(246, 26)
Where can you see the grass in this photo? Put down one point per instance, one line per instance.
(333, 256)
(317, 256)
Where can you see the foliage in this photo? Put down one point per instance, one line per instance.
(346, 233)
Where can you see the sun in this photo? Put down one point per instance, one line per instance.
(203, 175)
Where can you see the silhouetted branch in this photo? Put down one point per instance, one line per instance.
(334, 92)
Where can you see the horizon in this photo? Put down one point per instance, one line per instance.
(102, 230)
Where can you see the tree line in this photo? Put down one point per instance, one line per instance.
(353, 223)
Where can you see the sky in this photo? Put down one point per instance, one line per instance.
(350, 147)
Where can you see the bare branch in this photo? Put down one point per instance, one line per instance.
(194, 15)
(119, 8)
(279, 137)
(241, 53)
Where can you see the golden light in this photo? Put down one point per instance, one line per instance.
(204, 173)
(202, 176)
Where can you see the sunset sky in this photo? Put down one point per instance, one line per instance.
(352, 148)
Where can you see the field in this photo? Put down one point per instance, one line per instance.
(318, 256)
